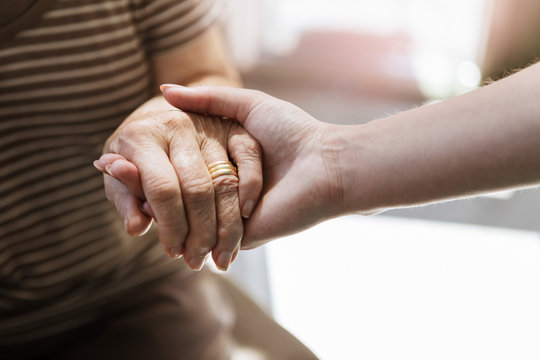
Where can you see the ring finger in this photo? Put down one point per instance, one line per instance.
(229, 220)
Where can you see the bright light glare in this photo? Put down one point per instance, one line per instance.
(389, 288)
(469, 75)
(445, 35)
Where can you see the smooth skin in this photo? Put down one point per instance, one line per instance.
(162, 154)
(486, 140)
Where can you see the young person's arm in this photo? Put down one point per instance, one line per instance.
(482, 141)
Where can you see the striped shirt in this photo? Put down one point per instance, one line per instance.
(70, 72)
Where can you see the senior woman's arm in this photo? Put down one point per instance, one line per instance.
(170, 151)
(482, 141)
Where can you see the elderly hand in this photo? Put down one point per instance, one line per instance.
(301, 183)
(155, 166)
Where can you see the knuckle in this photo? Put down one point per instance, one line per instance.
(175, 122)
(135, 129)
(136, 132)
(198, 193)
(163, 191)
(229, 236)
(252, 182)
(250, 149)
(172, 232)
(198, 251)
(226, 185)
(202, 241)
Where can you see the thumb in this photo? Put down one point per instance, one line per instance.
(214, 100)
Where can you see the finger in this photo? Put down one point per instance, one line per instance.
(105, 161)
(229, 221)
(247, 154)
(136, 222)
(162, 191)
(147, 209)
(235, 254)
(216, 100)
(198, 197)
(126, 172)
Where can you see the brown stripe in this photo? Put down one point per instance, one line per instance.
(76, 61)
(44, 267)
(181, 16)
(77, 91)
(172, 42)
(63, 251)
(77, 106)
(29, 162)
(95, 25)
(67, 4)
(42, 254)
(70, 35)
(46, 195)
(114, 113)
(57, 133)
(39, 181)
(64, 11)
(30, 240)
(29, 18)
(150, 18)
(27, 323)
(68, 77)
(38, 228)
(96, 14)
(43, 192)
(27, 53)
(179, 33)
(32, 233)
(12, 154)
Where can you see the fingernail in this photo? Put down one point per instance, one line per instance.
(235, 255)
(175, 252)
(143, 210)
(97, 166)
(162, 87)
(108, 169)
(224, 260)
(196, 263)
(248, 208)
(145, 231)
(146, 209)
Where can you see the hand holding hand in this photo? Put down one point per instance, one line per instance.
(301, 183)
(156, 167)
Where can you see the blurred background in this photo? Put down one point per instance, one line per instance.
(458, 280)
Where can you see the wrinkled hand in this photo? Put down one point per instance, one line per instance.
(155, 166)
(301, 183)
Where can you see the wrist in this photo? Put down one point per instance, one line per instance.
(360, 180)
(343, 150)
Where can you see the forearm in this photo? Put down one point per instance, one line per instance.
(203, 61)
(482, 141)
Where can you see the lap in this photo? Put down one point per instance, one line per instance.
(183, 316)
(179, 318)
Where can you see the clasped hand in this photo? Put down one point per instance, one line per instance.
(155, 167)
(302, 184)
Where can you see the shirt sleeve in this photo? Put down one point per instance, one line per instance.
(168, 24)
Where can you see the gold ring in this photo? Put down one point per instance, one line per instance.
(220, 168)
